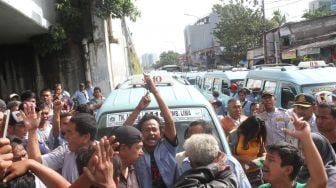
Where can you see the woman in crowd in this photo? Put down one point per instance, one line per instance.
(247, 144)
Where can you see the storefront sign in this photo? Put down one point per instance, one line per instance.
(291, 54)
(308, 51)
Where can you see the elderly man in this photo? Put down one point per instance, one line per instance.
(234, 117)
(208, 164)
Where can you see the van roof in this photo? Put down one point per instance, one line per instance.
(231, 75)
(178, 95)
(295, 75)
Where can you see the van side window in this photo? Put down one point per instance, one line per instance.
(199, 81)
(208, 82)
(253, 84)
(217, 84)
(288, 93)
(270, 86)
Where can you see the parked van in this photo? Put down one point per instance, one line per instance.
(221, 80)
(286, 81)
(185, 102)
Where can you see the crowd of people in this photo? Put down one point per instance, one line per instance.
(50, 142)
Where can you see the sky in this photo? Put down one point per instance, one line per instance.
(162, 22)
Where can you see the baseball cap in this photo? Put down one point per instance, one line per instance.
(127, 135)
(16, 119)
(266, 93)
(304, 100)
(14, 95)
(234, 86)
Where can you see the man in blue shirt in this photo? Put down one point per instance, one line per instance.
(81, 95)
(157, 167)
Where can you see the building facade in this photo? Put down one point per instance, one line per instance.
(201, 46)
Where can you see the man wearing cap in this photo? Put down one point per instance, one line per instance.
(16, 128)
(275, 120)
(305, 106)
(233, 90)
(246, 104)
(130, 150)
(14, 97)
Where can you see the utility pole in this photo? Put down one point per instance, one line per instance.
(264, 32)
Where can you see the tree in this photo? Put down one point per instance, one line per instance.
(320, 12)
(278, 19)
(168, 58)
(240, 27)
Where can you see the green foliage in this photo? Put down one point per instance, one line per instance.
(278, 19)
(240, 27)
(51, 41)
(117, 9)
(320, 12)
(136, 66)
(168, 58)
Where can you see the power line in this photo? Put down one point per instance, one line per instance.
(271, 8)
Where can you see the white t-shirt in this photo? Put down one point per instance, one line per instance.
(62, 158)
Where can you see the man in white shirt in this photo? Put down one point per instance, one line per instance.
(79, 133)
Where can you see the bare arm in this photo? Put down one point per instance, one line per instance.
(56, 126)
(31, 121)
(318, 176)
(48, 176)
(144, 102)
(170, 130)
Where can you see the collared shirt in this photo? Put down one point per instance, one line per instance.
(62, 158)
(81, 96)
(131, 181)
(312, 123)
(43, 139)
(275, 122)
(89, 91)
(235, 166)
(246, 106)
(164, 154)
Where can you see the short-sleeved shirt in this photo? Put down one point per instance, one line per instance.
(62, 158)
(297, 185)
(164, 154)
(275, 122)
(43, 139)
(81, 96)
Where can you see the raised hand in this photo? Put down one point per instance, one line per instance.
(58, 104)
(6, 154)
(100, 167)
(31, 119)
(149, 83)
(302, 128)
(144, 102)
(220, 162)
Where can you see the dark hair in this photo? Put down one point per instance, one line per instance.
(45, 90)
(332, 108)
(147, 117)
(27, 95)
(207, 127)
(84, 156)
(215, 94)
(27, 180)
(96, 88)
(65, 114)
(289, 155)
(85, 124)
(252, 127)
(40, 105)
(83, 108)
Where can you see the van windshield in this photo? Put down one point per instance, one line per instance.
(182, 116)
(312, 89)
